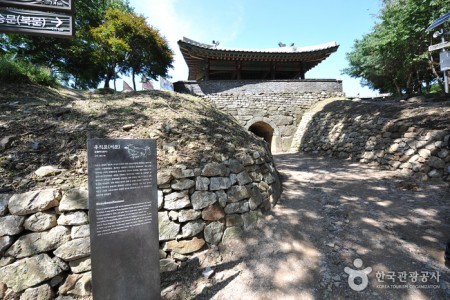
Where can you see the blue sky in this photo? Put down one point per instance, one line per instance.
(263, 24)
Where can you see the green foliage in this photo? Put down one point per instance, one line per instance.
(394, 56)
(13, 71)
(126, 42)
(110, 38)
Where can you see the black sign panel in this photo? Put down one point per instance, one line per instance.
(53, 5)
(36, 23)
(123, 211)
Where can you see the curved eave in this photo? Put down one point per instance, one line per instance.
(195, 55)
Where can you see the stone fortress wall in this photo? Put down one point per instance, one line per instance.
(45, 238)
(412, 138)
(279, 104)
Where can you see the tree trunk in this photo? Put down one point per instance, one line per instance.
(115, 78)
(134, 81)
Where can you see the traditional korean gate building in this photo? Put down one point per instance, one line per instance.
(265, 90)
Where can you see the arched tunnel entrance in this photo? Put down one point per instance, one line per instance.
(263, 130)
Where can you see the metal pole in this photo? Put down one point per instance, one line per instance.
(445, 72)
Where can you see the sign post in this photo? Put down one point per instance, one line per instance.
(123, 211)
(35, 22)
(51, 5)
(37, 17)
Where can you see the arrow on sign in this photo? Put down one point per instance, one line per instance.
(58, 22)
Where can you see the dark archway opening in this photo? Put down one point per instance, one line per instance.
(263, 130)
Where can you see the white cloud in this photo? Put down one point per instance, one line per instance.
(164, 16)
(173, 23)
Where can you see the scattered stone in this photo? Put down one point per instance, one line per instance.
(189, 215)
(222, 198)
(173, 215)
(29, 272)
(213, 232)
(202, 183)
(163, 178)
(4, 198)
(250, 219)
(74, 249)
(177, 200)
(46, 171)
(167, 230)
(4, 261)
(80, 265)
(243, 178)
(11, 225)
(40, 221)
(6, 141)
(185, 246)
(38, 242)
(43, 292)
(235, 166)
(179, 257)
(436, 162)
(73, 218)
(213, 212)
(201, 199)
(208, 272)
(77, 284)
(34, 201)
(256, 198)
(160, 199)
(62, 264)
(5, 242)
(182, 184)
(231, 233)
(237, 193)
(180, 173)
(234, 220)
(167, 265)
(192, 228)
(219, 183)
(128, 127)
(214, 169)
(74, 199)
(238, 207)
(247, 160)
(80, 231)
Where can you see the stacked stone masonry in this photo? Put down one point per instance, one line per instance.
(278, 103)
(45, 240)
(368, 133)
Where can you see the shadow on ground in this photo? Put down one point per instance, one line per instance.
(331, 213)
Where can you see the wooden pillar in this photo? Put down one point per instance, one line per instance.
(302, 71)
(207, 70)
(238, 69)
(272, 70)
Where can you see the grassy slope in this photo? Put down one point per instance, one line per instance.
(189, 131)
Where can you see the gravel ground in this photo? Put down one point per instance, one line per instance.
(331, 213)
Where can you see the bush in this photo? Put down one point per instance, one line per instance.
(19, 71)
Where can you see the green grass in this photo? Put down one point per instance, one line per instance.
(20, 71)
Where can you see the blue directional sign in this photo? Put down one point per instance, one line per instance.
(36, 23)
(52, 5)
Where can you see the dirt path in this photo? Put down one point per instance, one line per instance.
(331, 213)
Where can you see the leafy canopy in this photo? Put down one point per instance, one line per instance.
(109, 38)
(394, 57)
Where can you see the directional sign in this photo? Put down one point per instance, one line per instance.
(53, 5)
(36, 23)
(439, 46)
(444, 58)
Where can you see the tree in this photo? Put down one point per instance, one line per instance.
(72, 60)
(125, 41)
(394, 56)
